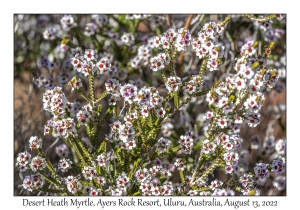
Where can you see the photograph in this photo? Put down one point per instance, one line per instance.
(149, 105)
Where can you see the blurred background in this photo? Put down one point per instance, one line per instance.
(44, 44)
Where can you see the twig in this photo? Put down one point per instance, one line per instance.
(197, 24)
(168, 20)
(269, 17)
(195, 19)
(188, 22)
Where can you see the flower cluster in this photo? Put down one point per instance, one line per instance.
(64, 127)
(207, 46)
(173, 84)
(150, 184)
(163, 145)
(127, 39)
(67, 22)
(180, 164)
(133, 131)
(51, 33)
(208, 147)
(73, 184)
(186, 144)
(55, 101)
(113, 87)
(128, 92)
(89, 172)
(90, 29)
(278, 165)
(23, 160)
(172, 39)
(75, 83)
(261, 171)
(272, 34)
(37, 163)
(231, 159)
(246, 180)
(62, 150)
(35, 142)
(85, 114)
(88, 65)
(100, 20)
(158, 62)
(64, 164)
(142, 58)
(33, 182)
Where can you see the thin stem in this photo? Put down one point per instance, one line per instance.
(50, 179)
(252, 17)
(79, 153)
(99, 125)
(83, 95)
(197, 167)
(48, 164)
(92, 91)
(186, 102)
(163, 74)
(101, 96)
(210, 169)
(172, 68)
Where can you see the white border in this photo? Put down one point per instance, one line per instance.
(151, 6)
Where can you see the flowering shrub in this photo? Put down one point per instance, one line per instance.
(139, 84)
